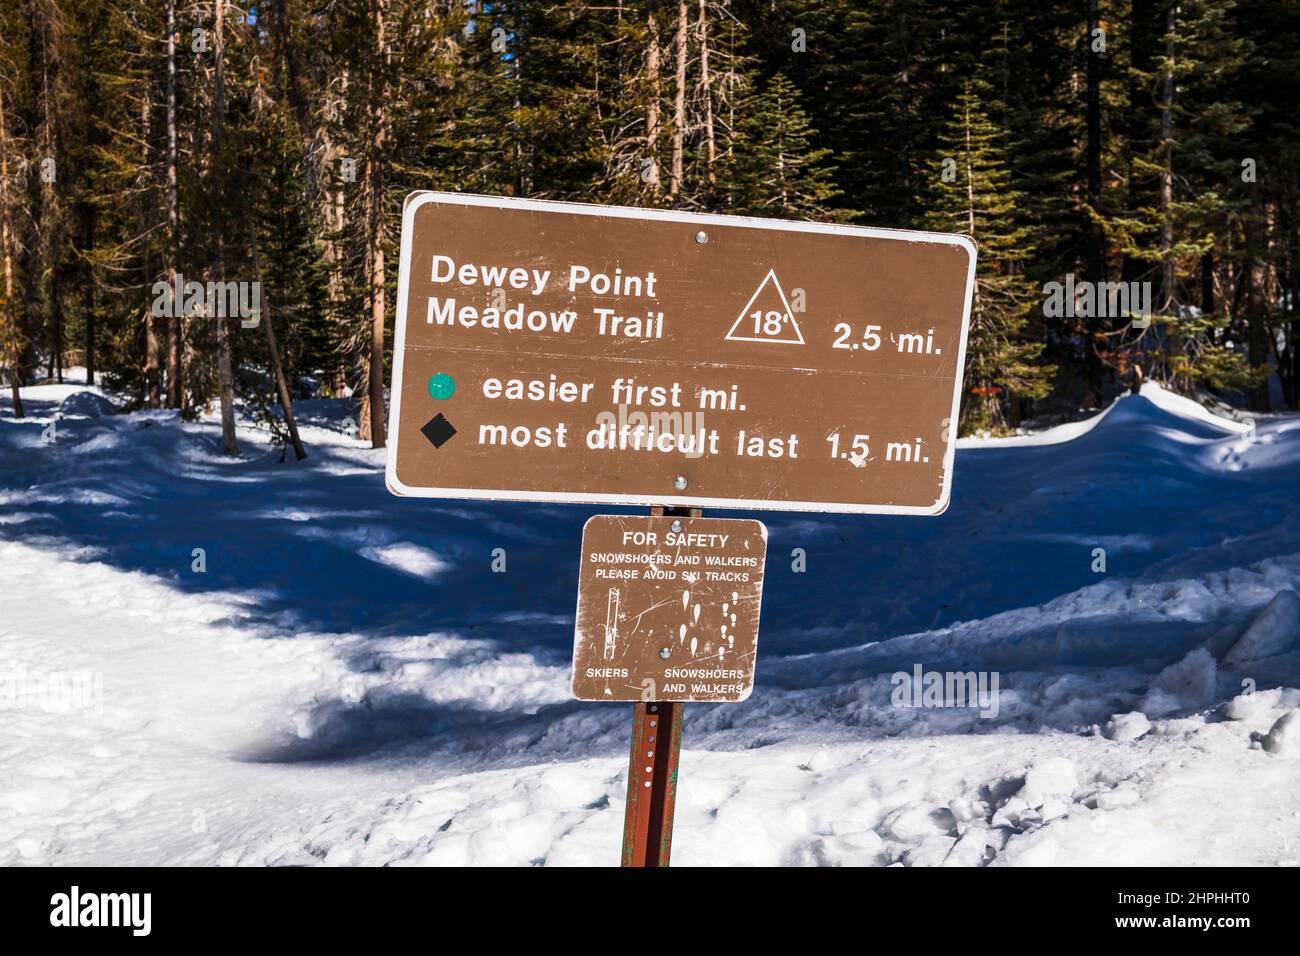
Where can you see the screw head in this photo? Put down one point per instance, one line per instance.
(665, 653)
(680, 482)
(701, 237)
(676, 526)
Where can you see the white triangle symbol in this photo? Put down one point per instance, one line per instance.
(747, 328)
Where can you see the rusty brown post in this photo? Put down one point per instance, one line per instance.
(652, 769)
(652, 783)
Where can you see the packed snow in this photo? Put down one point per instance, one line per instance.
(257, 661)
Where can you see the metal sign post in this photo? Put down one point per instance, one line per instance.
(668, 612)
(652, 769)
(652, 783)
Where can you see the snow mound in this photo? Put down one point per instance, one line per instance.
(1156, 405)
(1053, 777)
(86, 404)
(1124, 727)
(1274, 630)
(1188, 683)
(350, 682)
(1283, 737)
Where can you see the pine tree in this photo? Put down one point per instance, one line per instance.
(1269, 149)
(289, 264)
(1127, 163)
(124, 186)
(774, 168)
(1181, 216)
(393, 56)
(971, 193)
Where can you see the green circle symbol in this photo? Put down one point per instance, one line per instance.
(442, 385)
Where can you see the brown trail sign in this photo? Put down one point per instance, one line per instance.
(562, 352)
(559, 352)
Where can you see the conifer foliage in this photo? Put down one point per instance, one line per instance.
(972, 193)
(146, 146)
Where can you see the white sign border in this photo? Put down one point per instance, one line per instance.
(419, 198)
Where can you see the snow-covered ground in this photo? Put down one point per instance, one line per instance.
(347, 681)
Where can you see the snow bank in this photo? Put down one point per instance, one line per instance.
(347, 680)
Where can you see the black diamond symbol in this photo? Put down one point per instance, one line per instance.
(438, 431)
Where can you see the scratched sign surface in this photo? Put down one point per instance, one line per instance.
(559, 352)
(668, 614)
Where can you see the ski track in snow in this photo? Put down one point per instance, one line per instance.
(349, 683)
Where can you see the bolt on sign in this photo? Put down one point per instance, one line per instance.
(668, 608)
(561, 352)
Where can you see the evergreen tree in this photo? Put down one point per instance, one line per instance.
(971, 193)
(774, 168)
(1186, 216)
(1141, 140)
(293, 273)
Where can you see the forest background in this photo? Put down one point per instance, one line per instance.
(1146, 143)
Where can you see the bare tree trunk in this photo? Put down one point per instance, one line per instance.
(1135, 383)
(1207, 282)
(523, 170)
(88, 307)
(334, 221)
(1169, 304)
(289, 67)
(652, 107)
(1289, 371)
(1095, 254)
(277, 367)
(1256, 279)
(152, 351)
(11, 340)
(903, 83)
(174, 390)
(281, 383)
(56, 329)
(50, 226)
(322, 163)
(88, 290)
(225, 377)
(1168, 275)
(970, 180)
(1142, 41)
(375, 234)
(711, 146)
(679, 106)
